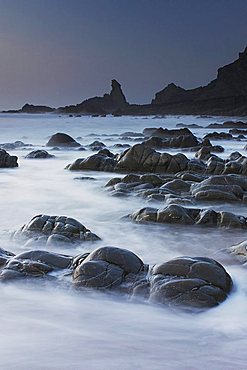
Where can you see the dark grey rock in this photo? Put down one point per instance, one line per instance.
(106, 267)
(34, 263)
(62, 140)
(44, 229)
(190, 283)
(175, 214)
(38, 154)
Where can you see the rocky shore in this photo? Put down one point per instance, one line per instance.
(187, 188)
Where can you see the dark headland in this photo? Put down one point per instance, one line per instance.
(226, 95)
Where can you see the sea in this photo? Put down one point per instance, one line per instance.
(46, 326)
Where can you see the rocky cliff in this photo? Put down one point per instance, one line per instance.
(227, 94)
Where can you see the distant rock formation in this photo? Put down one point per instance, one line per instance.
(30, 108)
(115, 102)
(227, 94)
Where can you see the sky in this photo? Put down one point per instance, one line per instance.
(60, 52)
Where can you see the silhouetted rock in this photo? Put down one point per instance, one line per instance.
(30, 108)
(227, 94)
(115, 102)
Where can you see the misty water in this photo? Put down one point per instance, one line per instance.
(51, 326)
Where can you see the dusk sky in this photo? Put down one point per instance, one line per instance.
(59, 52)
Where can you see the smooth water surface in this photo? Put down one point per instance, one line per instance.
(53, 327)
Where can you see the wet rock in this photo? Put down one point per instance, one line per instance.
(190, 283)
(140, 158)
(47, 230)
(7, 160)
(218, 136)
(96, 162)
(16, 145)
(221, 187)
(106, 268)
(175, 214)
(62, 140)
(204, 153)
(229, 124)
(33, 264)
(177, 185)
(5, 257)
(96, 145)
(239, 251)
(38, 154)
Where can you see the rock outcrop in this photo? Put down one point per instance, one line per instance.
(227, 94)
(115, 102)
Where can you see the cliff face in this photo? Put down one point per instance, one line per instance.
(109, 103)
(227, 94)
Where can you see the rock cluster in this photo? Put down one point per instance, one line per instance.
(175, 214)
(189, 283)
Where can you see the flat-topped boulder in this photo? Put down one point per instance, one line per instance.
(62, 140)
(7, 160)
(53, 230)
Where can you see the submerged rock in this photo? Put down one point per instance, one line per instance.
(52, 230)
(39, 154)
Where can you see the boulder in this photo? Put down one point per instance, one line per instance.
(39, 154)
(33, 264)
(190, 283)
(106, 268)
(52, 230)
(7, 160)
(62, 140)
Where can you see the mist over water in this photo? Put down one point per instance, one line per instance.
(51, 326)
